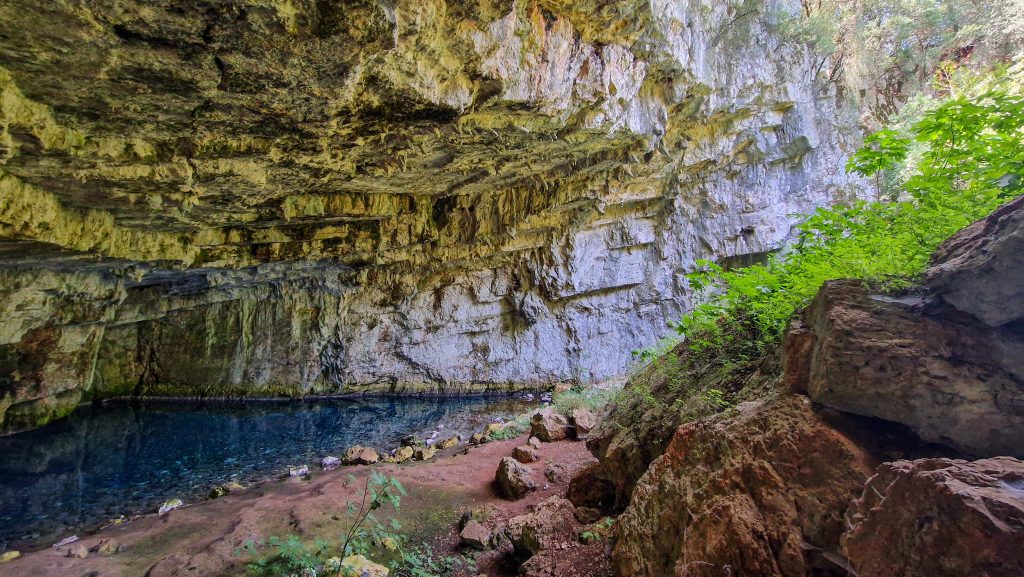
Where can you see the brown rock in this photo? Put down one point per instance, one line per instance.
(77, 551)
(107, 547)
(478, 439)
(760, 490)
(534, 442)
(583, 420)
(589, 489)
(514, 480)
(359, 455)
(940, 518)
(423, 453)
(549, 524)
(448, 443)
(980, 270)
(475, 535)
(549, 425)
(525, 454)
(954, 383)
(403, 454)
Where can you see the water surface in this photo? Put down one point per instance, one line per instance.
(122, 459)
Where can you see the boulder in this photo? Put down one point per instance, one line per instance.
(360, 566)
(525, 454)
(300, 472)
(760, 489)
(403, 454)
(330, 463)
(478, 439)
(534, 442)
(980, 270)
(583, 421)
(549, 425)
(107, 547)
(170, 505)
(448, 443)
(7, 556)
(939, 518)
(76, 551)
(475, 535)
(514, 480)
(952, 382)
(549, 524)
(225, 488)
(359, 455)
(423, 453)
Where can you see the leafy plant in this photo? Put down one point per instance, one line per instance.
(380, 490)
(972, 160)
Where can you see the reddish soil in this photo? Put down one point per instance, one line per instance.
(204, 539)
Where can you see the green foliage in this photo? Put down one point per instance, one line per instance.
(598, 531)
(288, 555)
(512, 429)
(581, 398)
(971, 161)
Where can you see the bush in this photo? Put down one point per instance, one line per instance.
(971, 161)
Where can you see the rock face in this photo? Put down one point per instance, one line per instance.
(941, 518)
(951, 380)
(980, 270)
(761, 492)
(287, 197)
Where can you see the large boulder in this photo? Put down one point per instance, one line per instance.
(549, 524)
(760, 489)
(583, 421)
(359, 455)
(939, 518)
(549, 425)
(951, 380)
(980, 270)
(514, 480)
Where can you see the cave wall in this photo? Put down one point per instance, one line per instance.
(266, 197)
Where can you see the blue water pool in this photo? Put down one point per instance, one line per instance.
(121, 459)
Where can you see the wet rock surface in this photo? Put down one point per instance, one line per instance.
(939, 517)
(282, 198)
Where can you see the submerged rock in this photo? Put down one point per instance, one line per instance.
(514, 480)
(300, 472)
(940, 518)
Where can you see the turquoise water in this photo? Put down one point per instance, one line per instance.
(122, 459)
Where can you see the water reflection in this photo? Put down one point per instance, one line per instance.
(105, 461)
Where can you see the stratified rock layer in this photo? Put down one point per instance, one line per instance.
(286, 197)
(980, 270)
(950, 380)
(941, 518)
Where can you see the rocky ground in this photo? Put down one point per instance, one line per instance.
(205, 538)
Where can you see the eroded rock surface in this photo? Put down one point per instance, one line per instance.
(980, 270)
(941, 518)
(760, 491)
(287, 197)
(951, 380)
